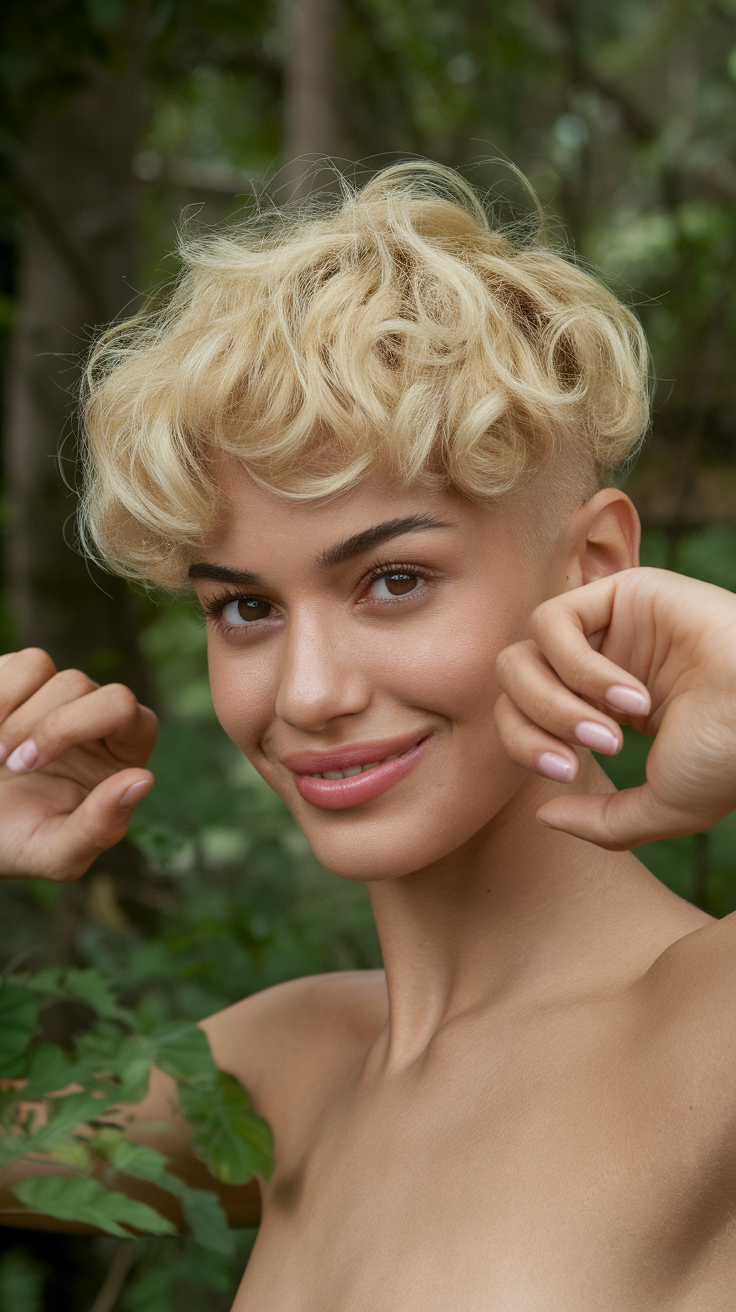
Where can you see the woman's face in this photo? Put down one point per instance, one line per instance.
(352, 647)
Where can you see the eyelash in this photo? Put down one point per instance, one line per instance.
(214, 607)
(382, 570)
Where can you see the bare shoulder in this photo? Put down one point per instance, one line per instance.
(303, 1031)
(689, 994)
(703, 958)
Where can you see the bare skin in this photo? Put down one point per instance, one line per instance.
(532, 1107)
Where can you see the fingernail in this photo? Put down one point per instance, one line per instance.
(592, 734)
(628, 700)
(555, 767)
(135, 793)
(24, 757)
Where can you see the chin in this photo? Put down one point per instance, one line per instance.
(371, 847)
(373, 866)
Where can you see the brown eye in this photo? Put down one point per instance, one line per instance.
(245, 610)
(395, 583)
(398, 584)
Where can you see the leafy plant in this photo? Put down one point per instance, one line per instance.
(61, 1111)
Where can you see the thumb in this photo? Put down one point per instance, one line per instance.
(617, 821)
(99, 822)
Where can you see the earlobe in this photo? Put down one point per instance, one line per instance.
(607, 535)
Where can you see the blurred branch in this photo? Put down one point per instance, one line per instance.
(384, 61)
(124, 1258)
(581, 73)
(62, 245)
(250, 57)
(637, 123)
(148, 166)
(716, 181)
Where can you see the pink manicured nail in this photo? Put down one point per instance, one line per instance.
(135, 793)
(555, 767)
(24, 757)
(628, 700)
(592, 734)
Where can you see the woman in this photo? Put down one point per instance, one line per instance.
(378, 442)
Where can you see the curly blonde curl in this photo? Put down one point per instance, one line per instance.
(395, 330)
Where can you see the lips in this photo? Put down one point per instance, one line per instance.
(356, 774)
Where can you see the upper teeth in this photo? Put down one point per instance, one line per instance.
(355, 769)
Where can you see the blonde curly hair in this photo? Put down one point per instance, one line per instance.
(393, 330)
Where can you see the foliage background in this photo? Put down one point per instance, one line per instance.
(117, 118)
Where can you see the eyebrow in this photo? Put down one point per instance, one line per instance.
(373, 537)
(241, 578)
(341, 552)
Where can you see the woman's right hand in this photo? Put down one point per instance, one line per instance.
(74, 755)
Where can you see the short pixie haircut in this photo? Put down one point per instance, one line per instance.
(393, 330)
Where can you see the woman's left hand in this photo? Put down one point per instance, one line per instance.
(643, 647)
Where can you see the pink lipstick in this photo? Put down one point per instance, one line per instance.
(352, 775)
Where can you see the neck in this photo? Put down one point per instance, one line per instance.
(518, 913)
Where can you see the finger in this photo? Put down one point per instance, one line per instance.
(531, 683)
(99, 822)
(22, 673)
(617, 821)
(562, 626)
(66, 687)
(531, 747)
(110, 714)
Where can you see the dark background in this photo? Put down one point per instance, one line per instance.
(117, 121)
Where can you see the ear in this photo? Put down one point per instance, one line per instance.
(605, 534)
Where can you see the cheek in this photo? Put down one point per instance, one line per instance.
(244, 687)
(447, 668)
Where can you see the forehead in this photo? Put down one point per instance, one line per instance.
(253, 519)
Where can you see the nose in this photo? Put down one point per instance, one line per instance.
(321, 678)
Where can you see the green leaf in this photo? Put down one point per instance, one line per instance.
(114, 1063)
(49, 1069)
(131, 1064)
(70, 1109)
(235, 1143)
(202, 1210)
(183, 1052)
(45, 982)
(88, 986)
(135, 1159)
(206, 1219)
(72, 1152)
(18, 1021)
(91, 987)
(87, 1201)
(12, 1147)
(10, 1106)
(63, 1115)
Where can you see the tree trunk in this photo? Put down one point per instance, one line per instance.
(311, 121)
(78, 257)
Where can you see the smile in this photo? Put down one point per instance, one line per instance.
(357, 769)
(356, 774)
